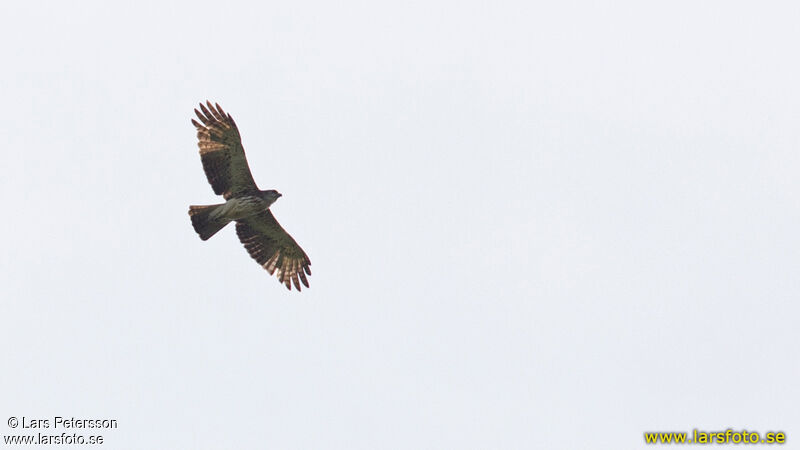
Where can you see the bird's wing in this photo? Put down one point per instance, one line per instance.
(222, 153)
(272, 247)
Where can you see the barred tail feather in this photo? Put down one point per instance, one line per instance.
(204, 224)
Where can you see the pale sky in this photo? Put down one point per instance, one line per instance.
(533, 225)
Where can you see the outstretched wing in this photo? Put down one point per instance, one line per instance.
(272, 247)
(222, 152)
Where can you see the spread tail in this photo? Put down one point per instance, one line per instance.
(203, 221)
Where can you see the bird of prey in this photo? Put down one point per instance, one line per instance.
(227, 171)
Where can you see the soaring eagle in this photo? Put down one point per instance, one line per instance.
(229, 175)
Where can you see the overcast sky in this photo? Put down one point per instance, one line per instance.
(532, 224)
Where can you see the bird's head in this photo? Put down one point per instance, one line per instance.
(270, 196)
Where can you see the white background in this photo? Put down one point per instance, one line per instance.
(532, 224)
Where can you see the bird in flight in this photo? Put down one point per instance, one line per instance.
(227, 171)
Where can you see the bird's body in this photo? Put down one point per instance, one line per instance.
(241, 207)
(226, 167)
